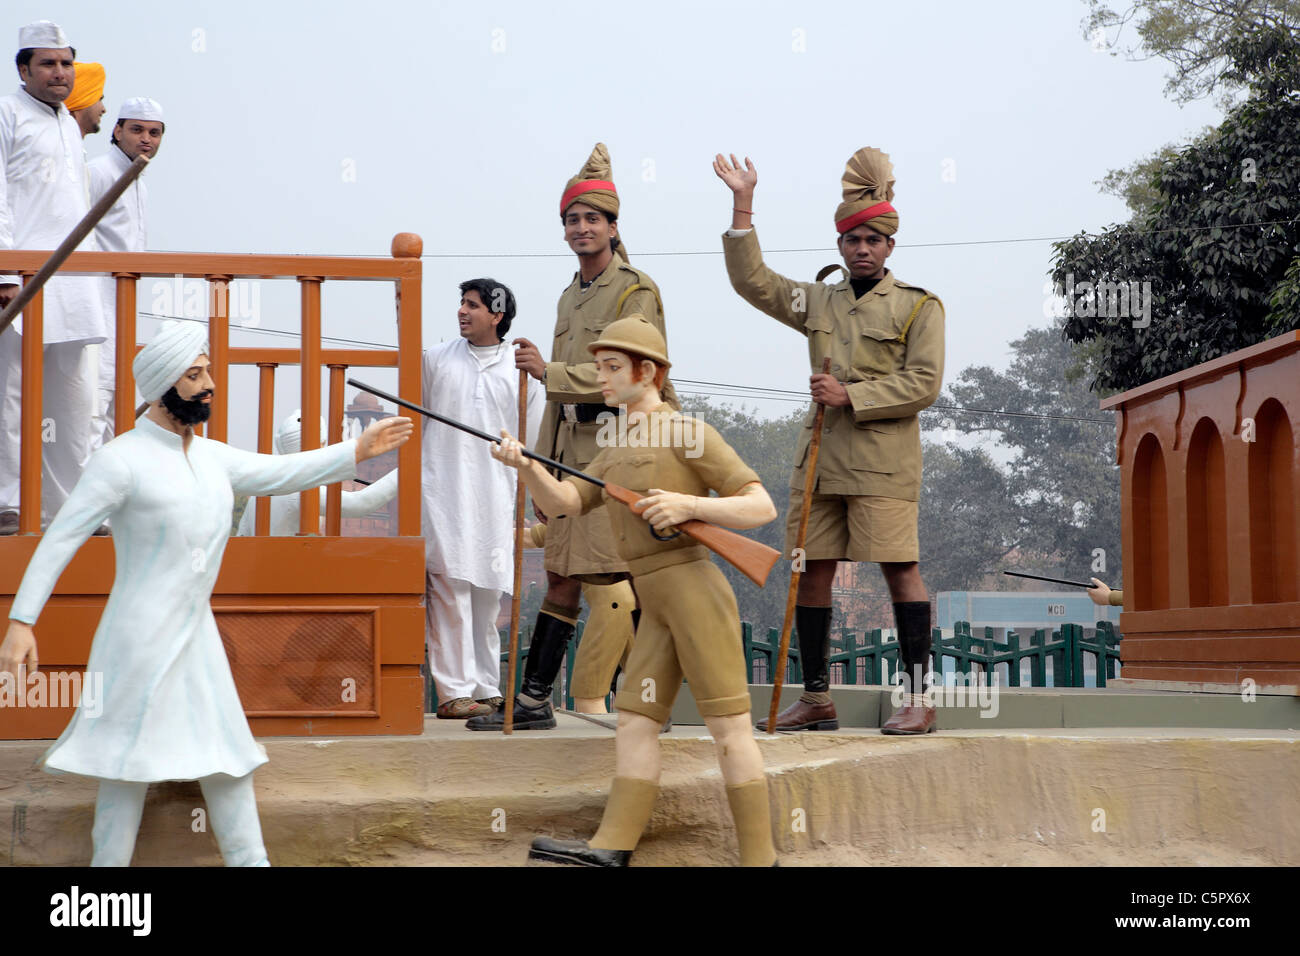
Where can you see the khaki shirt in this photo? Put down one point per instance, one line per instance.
(664, 450)
(872, 446)
(571, 373)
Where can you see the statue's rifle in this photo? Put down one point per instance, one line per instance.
(751, 558)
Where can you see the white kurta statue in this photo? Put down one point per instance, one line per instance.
(124, 228)
(468, 517)
(285, 509)
(170, 710)
(42, 198)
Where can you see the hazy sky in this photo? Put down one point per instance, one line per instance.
(327, 127)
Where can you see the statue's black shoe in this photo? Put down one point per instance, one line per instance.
(524, 718)
(576, 853)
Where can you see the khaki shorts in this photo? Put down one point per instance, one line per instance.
(582, 547)
(689, 627)
(606, 639)
(855, 528)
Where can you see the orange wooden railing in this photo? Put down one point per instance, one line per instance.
(219, 270)
(297, 614)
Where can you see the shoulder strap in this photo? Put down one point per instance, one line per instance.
(636, 287)
(824, 271)
(902, 336)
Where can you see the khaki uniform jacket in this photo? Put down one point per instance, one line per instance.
(571, 373)
(669, 451)
(873, 446)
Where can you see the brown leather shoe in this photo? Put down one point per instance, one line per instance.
(911, 720)
(462, 708)
(496, 703)
(802, 716)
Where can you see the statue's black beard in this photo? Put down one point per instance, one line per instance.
(191, 412)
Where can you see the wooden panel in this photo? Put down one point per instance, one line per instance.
(1186, 648)
(1262, 676)
(403, 696)
(294, 565)
(303, 662)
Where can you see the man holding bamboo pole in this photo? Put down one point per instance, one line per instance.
(884, 339)
(579, 549)
(42, 198)
(467, 533)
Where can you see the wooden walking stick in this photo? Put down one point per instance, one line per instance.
(79, 232)
(509, 727)
(787, 625)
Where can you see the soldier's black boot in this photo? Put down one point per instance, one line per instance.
(576, 853)
(551, 638)
(915, 717)
(813, 628)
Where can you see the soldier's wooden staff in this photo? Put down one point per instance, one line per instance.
(82, 229)
(751, 558)
(509, 726)
(787, 625)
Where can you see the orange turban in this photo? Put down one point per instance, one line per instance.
(868, 186)
(87, 88)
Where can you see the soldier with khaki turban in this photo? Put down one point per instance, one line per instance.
(884, 338)
(579, 548)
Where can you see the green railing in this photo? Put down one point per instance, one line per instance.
(872, 658)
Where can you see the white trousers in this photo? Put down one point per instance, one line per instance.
(462, 637)
(67, 406)
(232, 810)
(101, 422)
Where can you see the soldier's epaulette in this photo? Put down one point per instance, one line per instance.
(641, 277)
(922, 297)
(642, 283)
(915, 288)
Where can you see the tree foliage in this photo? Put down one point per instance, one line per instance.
(1193, 36)
(1216, 244)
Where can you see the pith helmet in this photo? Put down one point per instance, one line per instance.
(636, 335)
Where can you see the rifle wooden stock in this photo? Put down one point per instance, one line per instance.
(751, 558)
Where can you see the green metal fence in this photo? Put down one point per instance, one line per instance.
(872, 657)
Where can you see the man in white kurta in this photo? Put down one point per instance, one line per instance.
(43, 196)
(124, 228)
(285, 509)
(170, 709)
(469, 499)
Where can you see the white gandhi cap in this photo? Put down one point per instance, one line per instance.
(141, 108)
(42, 35)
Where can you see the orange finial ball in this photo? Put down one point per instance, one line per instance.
(407, 245)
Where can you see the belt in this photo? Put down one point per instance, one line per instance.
(584, 412)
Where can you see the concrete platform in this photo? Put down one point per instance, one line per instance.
(1109, 796)
(869, 706)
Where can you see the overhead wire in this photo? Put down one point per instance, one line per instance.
(711, 389)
